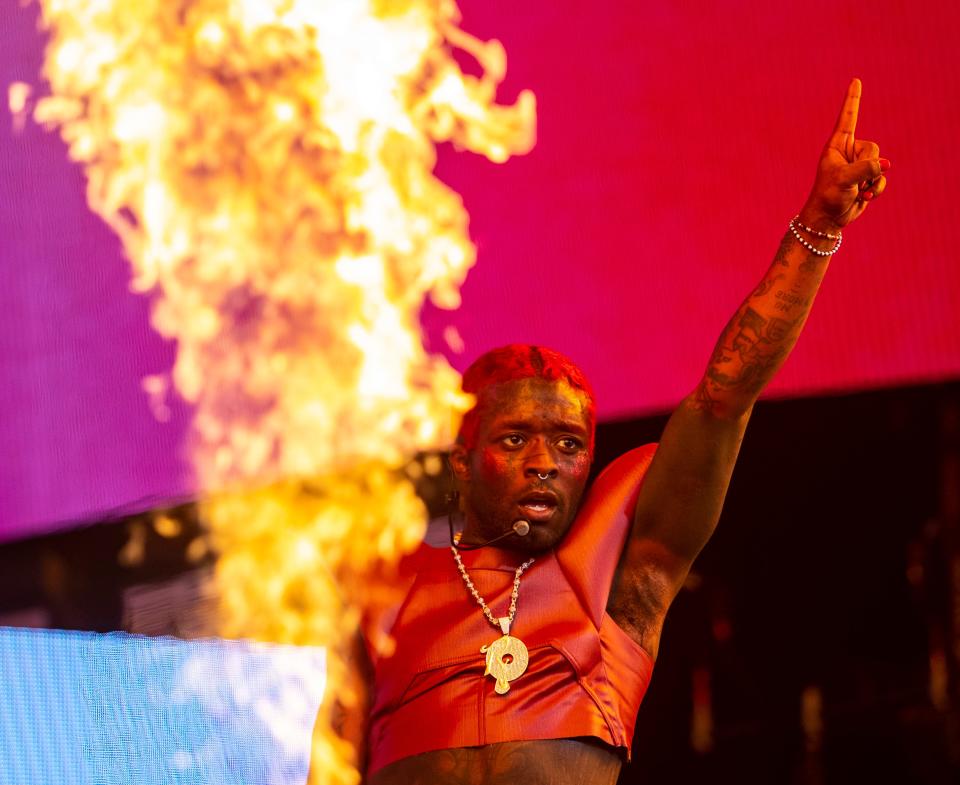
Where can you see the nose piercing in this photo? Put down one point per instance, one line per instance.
(543, 476)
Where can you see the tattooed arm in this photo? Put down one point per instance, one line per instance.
(682, 496)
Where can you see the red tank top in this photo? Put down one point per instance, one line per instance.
(586, 676)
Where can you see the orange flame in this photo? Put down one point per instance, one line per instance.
(268, 167)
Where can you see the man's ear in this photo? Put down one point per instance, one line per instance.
(460, 462)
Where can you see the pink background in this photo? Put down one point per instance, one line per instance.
(673, 147)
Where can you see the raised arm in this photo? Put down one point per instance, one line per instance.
(682, 496)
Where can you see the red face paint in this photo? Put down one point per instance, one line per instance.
(530, 462)
(521, 361)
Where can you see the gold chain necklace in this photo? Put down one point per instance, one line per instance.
(507, 657)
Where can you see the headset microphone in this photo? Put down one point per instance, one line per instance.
(521, 528)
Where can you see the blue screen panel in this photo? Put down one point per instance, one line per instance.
(84, 708)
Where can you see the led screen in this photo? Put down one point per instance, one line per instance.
(88, 709)
(675, 141)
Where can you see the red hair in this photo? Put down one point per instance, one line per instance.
(521, 361)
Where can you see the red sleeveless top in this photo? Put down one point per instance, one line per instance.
(586, 676)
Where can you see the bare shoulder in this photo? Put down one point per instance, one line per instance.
(546, 762)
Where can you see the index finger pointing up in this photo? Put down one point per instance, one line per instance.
(847, 121)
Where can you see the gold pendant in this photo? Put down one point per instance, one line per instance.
(507, 658)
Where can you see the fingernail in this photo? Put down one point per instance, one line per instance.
(867, 196)
(884, 164)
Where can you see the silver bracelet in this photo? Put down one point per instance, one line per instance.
(811, 230)
(811, 248)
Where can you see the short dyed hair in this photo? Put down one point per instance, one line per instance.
(520, 361)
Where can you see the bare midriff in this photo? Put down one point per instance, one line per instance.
(542, 762)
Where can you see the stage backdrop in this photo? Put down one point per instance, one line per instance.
(675, 141)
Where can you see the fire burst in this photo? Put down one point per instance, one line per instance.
(268, 167)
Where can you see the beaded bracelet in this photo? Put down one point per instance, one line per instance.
(811, 230)
(811, 248)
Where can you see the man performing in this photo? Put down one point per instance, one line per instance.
(526, 661)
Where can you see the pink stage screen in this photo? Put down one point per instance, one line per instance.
(674, 145)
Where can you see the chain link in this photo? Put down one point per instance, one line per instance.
(476, 595)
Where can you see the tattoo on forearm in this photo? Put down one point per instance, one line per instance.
(758, 338)
(750, 349)
(786, 301)
(812, 263)
(703, 399)
(766, 285)
(783, 251)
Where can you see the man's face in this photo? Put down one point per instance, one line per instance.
(528, 429)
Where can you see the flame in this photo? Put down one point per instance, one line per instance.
(268, 167)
